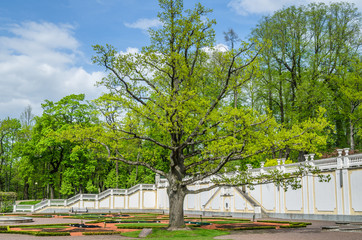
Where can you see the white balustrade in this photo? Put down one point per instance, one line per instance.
(340, 162)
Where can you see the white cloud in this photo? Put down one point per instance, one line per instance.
(245, 7)
(144, 23)
(130, 50)
(38, 62)
(217, 48)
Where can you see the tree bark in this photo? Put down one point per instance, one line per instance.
(26, 191)
(176, 196)
(351, 133)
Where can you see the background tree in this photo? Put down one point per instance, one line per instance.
(57, 160)
(309, 46)
(8, 135)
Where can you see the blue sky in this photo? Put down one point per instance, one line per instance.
(46, 45)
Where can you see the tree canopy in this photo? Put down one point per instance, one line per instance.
(174, 99)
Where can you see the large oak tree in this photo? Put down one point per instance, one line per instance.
(172, 107)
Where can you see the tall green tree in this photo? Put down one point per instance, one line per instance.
(59, 160)
(174, 99)
(9, 129)
(309, 46)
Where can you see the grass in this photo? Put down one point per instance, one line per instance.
(227, 221)
(194, 234)
(141, 225)
(29, 202)
(44, 227)
(40, 225)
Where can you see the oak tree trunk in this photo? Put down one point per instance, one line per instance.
(176, 195)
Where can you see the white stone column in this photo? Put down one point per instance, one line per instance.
(346, 190)
(339, 189)
(126, 199)
(112, 200)
(141, 197)
(81, 204)
(96, 203)
(305, 187)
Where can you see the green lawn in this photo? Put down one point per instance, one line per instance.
(195, 234)
(29, 202)
(141, 225)
(45, 227)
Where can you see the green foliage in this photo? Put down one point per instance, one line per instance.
(309, 47)
(9, 133)
(7, 199)
(168, 108)
(274, 162)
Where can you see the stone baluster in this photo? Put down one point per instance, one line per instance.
(311, 161)
(283, 165)
(339, 159)
(278, 165)
(249, 167)
(346, 158)
(262, 167)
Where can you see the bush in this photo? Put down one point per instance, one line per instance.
(7, 199)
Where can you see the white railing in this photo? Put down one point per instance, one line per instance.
(40, 205)
(24, 208)
(148, 186)
(328, 163)
(73, 199)
(56, 202)
(104, 194)
(119, 191)
(291, 167)
(355, 160)
(134, 189)
(89, 196)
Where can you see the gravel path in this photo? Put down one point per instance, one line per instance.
(311, 232)
(29, 237)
